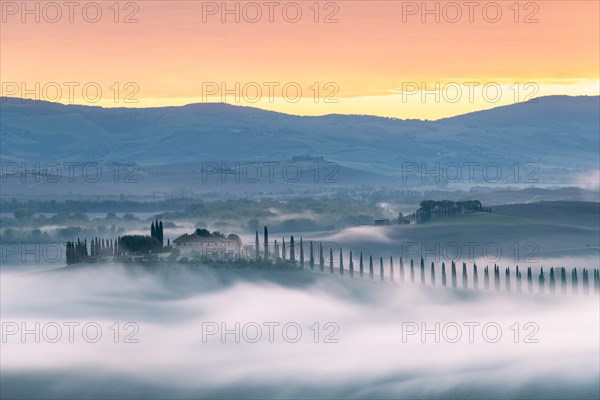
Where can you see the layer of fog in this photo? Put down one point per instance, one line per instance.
(370, 359)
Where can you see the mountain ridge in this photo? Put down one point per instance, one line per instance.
(560, 133)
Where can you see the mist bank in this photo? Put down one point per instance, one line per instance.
(546, 346)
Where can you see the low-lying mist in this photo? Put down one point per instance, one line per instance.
(299, 335)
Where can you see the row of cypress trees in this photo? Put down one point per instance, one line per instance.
(495, 280)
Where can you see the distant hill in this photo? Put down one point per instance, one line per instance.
(560, 133)
(543, 230)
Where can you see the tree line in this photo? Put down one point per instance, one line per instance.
(429, 209)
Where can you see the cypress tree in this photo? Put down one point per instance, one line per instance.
(311, 259)
(507, 279)
(465, 278)
(266, 244)
(331, 260)
(496, 277)
(276, 252)
(574, 281)
(596, 281)
(552, 281)
(529, 280)
(563, 280)
(422, 271)
(453, 274)
(292, 250)
(518, 276)
(586, 282)
(152, 230)
(541, 280)
(256, 248)
(401, 270)
(443, 274)
(486, 278)
(351, 266)
(412, 271)
(341, 262)
(360, 266)
(381, 273)
(432, 274)
(391, 269)
(161, 234)
(475, 277)
(371, 267)
(301, 254)
(283, 250)
(321, 258)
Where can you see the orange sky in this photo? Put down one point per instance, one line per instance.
(374, 52)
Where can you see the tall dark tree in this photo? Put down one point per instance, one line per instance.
(381, 273)
(574, 281)
(401, 270)
(292, 250)
(371, 275)
(585, 282)
(391, 268)
(475, 277)
(465, 277)
(412, 271)
(563, 280)
(453, 274)
(341, 262)
(331, 260)
(321, 258)
(541, 281)
(301, 254)
(496, 277)
(529, 280)
(266, 244)
(432, 274)
(276, 251)
(351, 266)
(161, 236)
(486, 278)
(422, 271)
(552, 281)
(256, 247)
(311, 259)
(443, 274)
(507, 279)
(518, 278)
(360, 266)
(283, 249)
(152, 230)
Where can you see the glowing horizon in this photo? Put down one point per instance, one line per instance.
(380, 58)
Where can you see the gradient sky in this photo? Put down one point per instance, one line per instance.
(375, 57)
